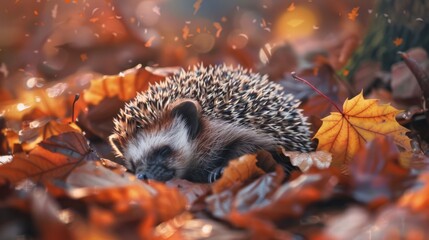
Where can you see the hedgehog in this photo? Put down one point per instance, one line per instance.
(193, 123)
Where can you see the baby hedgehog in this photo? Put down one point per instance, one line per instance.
(190, 125)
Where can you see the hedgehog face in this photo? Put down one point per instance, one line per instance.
(164, 152)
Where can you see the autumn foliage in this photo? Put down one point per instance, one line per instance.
(81, 194)
(61, 86)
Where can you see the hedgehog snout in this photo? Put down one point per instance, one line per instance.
(156, 172)
(157, 165)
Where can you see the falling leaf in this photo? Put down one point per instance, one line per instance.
(398, 41)
(83, 57)
(185, 32)
(54, 11)
(304, 161)
(353, 13)
(124, 86)
(291, 7)
(238, 170)
(197, 6)
(3, 70)
(54, 157)
(156, 10)
(343, 134)
(150, 41)
(218, 28)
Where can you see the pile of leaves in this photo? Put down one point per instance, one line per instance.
(54, 184)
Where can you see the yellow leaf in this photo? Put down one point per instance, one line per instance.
(342, 134)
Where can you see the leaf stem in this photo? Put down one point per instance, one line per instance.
(76, 97)
(317, 90)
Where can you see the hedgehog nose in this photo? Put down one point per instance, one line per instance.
(142, 176)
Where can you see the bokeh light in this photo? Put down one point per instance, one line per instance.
(295, 24)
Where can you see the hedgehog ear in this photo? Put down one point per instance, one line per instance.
(190, 111)
(116, 145)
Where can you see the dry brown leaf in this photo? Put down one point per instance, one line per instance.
(318, 159)
(376, 174)
(192, 191)
(237, 171)
(129, 199)
(252, 196)
(54, 157)
(37, 131)
(125, 85)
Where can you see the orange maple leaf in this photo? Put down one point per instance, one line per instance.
(353, 13)
(343, 134)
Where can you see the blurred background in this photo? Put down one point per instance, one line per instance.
(54, 39)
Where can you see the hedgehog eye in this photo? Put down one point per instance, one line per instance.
(165, 151)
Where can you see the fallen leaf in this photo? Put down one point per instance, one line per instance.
(185, 226)
(376, 174)
(318, 159)
(238, 170)
(417, 197)
(39, 130)
(52, 158)
(125, 85)
(192, 191)
(129, 199)
(252, 196)
(398, 223)
(353, 13)
(343, 134)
